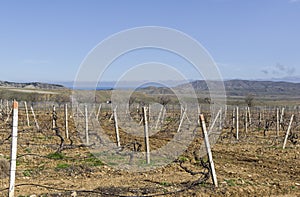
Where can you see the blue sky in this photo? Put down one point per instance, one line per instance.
(248, 39)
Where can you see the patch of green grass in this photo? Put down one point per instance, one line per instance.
(18, 163)
(94, 161)
(182, 159)
(230, 182)
(293, 187)
(28, 150)
(56, 156)
(61, 166)
(27, 173)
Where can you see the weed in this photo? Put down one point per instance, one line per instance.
(28, 150)
(61, 166)
(56, 156)
(182, 159)
(166, 184)
(94, 161)
(27, 173)
(230, 182)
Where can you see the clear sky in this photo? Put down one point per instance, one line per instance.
(248, 39)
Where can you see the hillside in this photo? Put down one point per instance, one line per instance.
(241, 88)
(31, 85)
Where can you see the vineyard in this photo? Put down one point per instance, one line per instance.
(256, 154)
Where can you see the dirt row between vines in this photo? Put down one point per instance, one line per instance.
(256, 165)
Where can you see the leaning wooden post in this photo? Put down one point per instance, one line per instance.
(214, 122)
(116, 127)
(86, 125)
(159, 115)
(181, 120)
(237, 123)
(66, 121)
(98, 112)
(34, 117)
(146, 135)
(26, 110)
(13, 153)
(288, 132)
(277, 122)
(163, 115)
(209, 153)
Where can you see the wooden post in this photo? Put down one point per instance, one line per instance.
(225, 111)
(116, 127)
(181, 120)
(7, 107)
(209, 153)
(277, 122)
(86, 125)
(220, 120)
(13, 154)
(34, 117)
(76, 113)
(233, 118)
(199, 112)
(66, 121)
(53, 117)
(8, 116)
(149, 113)
(159, 115)
(246, 120)
(249, 115)
(237, 123)
(142, 120)
(287, 132)
(146, 135)
(27, 116)
(163, 115)
(214, 122)
(98, 112)
(281, 116)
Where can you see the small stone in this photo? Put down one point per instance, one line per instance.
(74, 194)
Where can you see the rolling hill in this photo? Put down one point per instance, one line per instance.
(31, 85)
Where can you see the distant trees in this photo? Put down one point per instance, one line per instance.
(249, 100)
(164, 100)
(62, 98)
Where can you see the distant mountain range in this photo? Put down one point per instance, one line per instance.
(262, 88)
(240, 88)
(232, 87)
(31, 85)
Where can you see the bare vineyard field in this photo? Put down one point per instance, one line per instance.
(50, 164)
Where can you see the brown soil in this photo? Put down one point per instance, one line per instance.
(256, 165)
